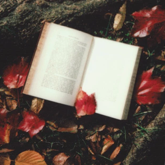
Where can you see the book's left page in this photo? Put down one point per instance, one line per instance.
(58, 64)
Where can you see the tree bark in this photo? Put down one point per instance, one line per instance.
(151, 141)
(23, 19)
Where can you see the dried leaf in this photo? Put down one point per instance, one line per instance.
(11, 102)
(138, 109)
(81, 127)
(73, 129)
(5, 150)
(150, 22)
(120, 17)
(77, 160)
(90, 150)
(8, 125)
(29, 158)
(85, 105)
(101, 128)
(108, 142)
(115, 129)
(14, 76)
(93, 137)
(118, 163)
(31, 123)
(52, 125)
(37, 105)
(5, 129)
(148, 90)
(5, 160)
(119, 39)
(115, 152)
(60, 159)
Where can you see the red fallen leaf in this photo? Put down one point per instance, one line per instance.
(14, 76)
(31, 123)
(3, 113)
(148, 90)
(85, 105)
(150, 22)
(13, 118)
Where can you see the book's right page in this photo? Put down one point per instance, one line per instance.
(110, 74)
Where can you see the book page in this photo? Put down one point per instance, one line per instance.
(58, 64)
(108, 74)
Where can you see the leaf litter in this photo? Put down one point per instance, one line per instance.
(49, 141)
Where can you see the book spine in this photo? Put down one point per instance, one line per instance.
(131, 87)
(36, 57)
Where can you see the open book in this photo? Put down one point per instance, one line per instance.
(67, 60)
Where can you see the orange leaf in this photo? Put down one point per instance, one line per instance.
(108, 142)
(5, 160)
(115, 152)
(60, 159)
(5, 129)
(29, 158)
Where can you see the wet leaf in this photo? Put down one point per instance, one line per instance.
(120, 17)
(15, 75)
(107, 143)
(29, 158)
(37, 105)
(60, 159)
(148, 90)
(31, 123)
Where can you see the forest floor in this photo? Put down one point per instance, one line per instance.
(40, 132)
